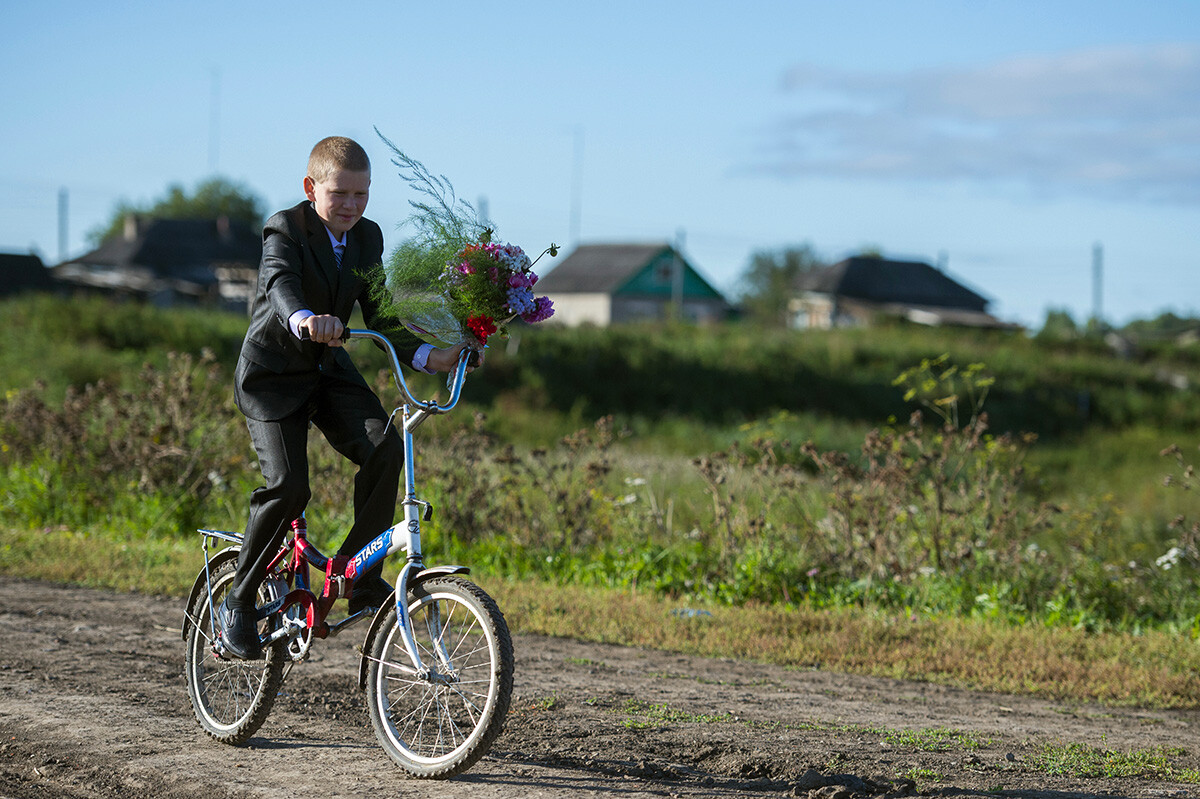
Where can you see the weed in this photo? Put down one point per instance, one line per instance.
(923, 775)
(1081, 760)
(644, 715)
(935, 740)
(585, 662)
(545, 703)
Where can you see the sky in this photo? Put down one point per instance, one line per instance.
(1006, 141)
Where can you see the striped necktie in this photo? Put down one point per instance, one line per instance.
(337, 256)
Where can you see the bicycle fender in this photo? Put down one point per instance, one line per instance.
(377, 622)
(201, 582)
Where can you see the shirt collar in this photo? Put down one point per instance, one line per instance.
(334, 240)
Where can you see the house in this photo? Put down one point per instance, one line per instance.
(20, 273)
(172, 261)
(604, 284)
(862, 290)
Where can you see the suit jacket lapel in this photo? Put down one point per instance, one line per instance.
(322, 249)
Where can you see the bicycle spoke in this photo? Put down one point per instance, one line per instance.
(231, 698)
(445, 724)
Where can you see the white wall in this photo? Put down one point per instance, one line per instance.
(578, 309)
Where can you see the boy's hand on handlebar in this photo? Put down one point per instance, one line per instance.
(324, 329)
(444, 359)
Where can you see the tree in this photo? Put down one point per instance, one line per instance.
(770, 281)
(1166, 325)
(1059, 326)
(212, 199)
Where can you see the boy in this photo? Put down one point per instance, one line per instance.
(308, 281)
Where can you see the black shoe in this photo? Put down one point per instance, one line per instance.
(370, 593)
(239, 632)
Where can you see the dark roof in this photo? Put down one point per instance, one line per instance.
(186, 249)
(897, 282)
(23, 273)
(599, 268)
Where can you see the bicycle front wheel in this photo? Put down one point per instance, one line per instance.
(439, 724)
(231, 698)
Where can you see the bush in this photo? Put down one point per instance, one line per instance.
(145, 458)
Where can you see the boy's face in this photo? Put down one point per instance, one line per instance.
(340, 199)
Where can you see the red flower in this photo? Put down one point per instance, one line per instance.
(482, 327)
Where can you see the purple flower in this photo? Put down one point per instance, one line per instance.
(543, 309)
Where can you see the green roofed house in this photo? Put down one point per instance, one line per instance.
(603, 284)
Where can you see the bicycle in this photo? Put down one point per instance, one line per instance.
(437, 662)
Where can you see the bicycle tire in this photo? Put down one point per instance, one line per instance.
(434, 729)
(231, 698)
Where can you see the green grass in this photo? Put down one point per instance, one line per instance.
(935, 740)
(770, 479)
(923, 776)
(649, 715)
(1081, 760)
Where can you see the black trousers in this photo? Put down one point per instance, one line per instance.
(353, 422)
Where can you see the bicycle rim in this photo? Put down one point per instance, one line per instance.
(440, 726)
(231, 698)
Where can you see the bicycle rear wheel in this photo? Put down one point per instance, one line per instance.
(231, 698)
(440, 725)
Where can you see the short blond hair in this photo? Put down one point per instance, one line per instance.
(336, 152)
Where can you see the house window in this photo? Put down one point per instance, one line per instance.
(664, 272)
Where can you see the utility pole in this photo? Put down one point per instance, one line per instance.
(677, 276)
(62, 224)
(1098, 285)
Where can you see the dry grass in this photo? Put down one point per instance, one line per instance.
(149, 566)
(1151, 670)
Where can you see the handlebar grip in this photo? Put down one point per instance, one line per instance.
(304, 335)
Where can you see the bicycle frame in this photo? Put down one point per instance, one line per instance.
(298, 554)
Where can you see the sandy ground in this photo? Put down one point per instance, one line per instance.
(93, 704)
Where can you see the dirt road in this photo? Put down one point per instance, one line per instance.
(93, 704)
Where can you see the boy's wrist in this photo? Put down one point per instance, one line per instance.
(296, 318)
(420, 359)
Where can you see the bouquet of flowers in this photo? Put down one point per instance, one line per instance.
(451, 282)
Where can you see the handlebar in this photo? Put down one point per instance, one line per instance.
(455, 382)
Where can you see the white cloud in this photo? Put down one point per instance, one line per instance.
(1113, 122)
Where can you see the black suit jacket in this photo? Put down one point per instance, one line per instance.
(276, 372)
